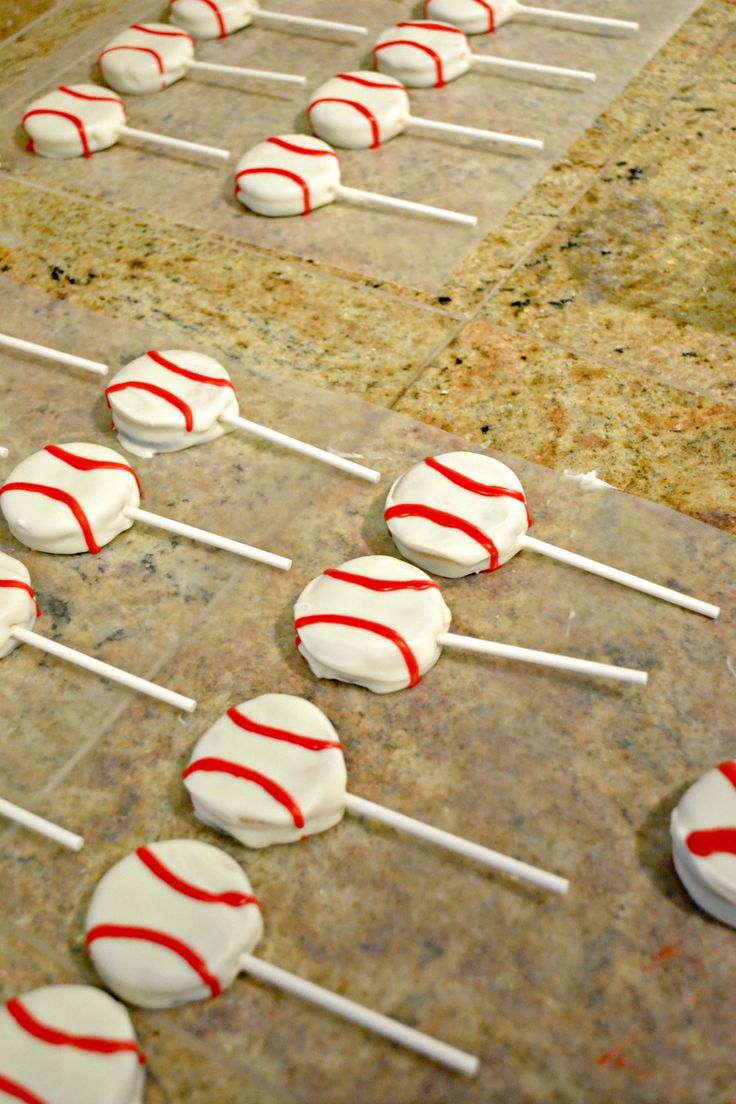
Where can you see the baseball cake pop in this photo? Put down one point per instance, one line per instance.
(703, 830)
(69, 1044)
(220, 18)
(483, 17)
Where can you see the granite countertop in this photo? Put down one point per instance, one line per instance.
(593, 328)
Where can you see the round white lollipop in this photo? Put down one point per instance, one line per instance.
(703, 830)
(483, 17)
(78, 497)
(382, 623)
(272, 771)
(69, 1044)
(220, 18)
(177, 921)
(424, 54)
(148, 57)
(362, 110)
(464, 512)
(293, 174)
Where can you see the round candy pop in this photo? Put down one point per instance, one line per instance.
(703, 830)
(220, 18)
(149, 57)
(69, 1044)
(423, 54)
(272, 771)
(382, 623)
(77, 120)
(483, 17)
(295, 173)
(18, 613)
(78, 497)
(362, 110)
(177, 921)
(173, 399)
(464, 512)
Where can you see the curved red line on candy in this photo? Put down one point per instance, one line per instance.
(712, 841)
(383, 585)
(22, 586)
(440, 83)
(62, 115)
(233, 898)
(729, 770)
(198, 377)
(95, 99)
(162, 939)
(141, 50)
(370, 626)
(85, 463)
(281, 172)
(218, 16)
(426, 26)
(365, 111)
(311, 743)
(54, 1037)
(483, 4)
(12, 1088)
(166, 34)
(60, 496)
(447, 521)
(468, 484)
(212, 764)
(372, 84)
(161, 393)
(302, 149)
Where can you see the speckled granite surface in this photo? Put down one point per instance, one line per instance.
(617, 992)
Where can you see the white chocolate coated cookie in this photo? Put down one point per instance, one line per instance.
(290, 174)
(703, 830)
(212, 18)
(146, 57)
(169, 923)
(423, 54)
(359, 110)
(69, 1044)
(17, 601)
(74, 121)
(373, 621)
(170, 399)
(270, 771)
(457, 514)
(471, 16)
(69, 498)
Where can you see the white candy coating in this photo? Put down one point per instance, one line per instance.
(395, 642)
(359, 109)
(471, 16)
(17, 602)
(423, 54)
(212, 18)
(76, 120)
(38, 1055)
(472, 530)
(55, 524)
(200, 940)
(706, 863)
(159, 405)
(270, 771)
(291, 174)
(146, 57)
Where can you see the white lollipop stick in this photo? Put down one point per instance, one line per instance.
(106, 670)
(53, 354)
(544, 659)
(494, 859)
(575, 17)
(300, 446)
(447, 1055)
(205, 537)
(175, 143)
(306, 21)
(475, 132)
(532, 67)
(357, 195)
(262, 74)
(42, 826)
(613, 573)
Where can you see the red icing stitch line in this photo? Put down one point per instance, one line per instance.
(468, 484)
(218, 16)
(141, 50)
(95, 99)
(166, 34)
(233, 898)
(85, 463)
(160, 392)
(712, 841)
(60, 496)
(370, 626)
(162, 939)
(280, 172)
(212, 764)
(440, 83)
(729, 770)
(383, 585)
(311, 743)
(365, 111)
(22, 586)
(448, 521)
(198, 377)
(372, 84)
(54, 1037)
(426, 26)
(12, 1088)
(62, 115)
(302, 149)
(491, 24)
